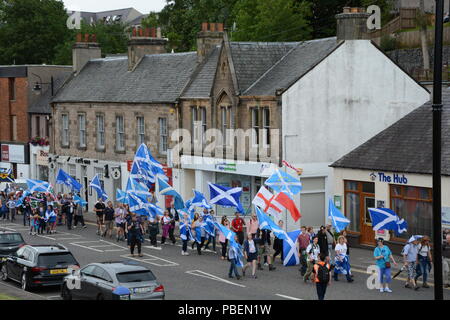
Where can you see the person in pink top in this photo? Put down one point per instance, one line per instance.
(253, 226)
(224, 241)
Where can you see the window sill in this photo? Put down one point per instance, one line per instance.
(100, 149)
(65, 146)
(82, 148)
(120, 151)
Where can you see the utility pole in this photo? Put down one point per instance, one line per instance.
(437, 123)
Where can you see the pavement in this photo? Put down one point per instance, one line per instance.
(204, 277)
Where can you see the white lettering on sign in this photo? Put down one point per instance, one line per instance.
(374, 21)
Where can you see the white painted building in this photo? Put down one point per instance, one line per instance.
(346, 98)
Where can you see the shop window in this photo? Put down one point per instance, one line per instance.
(351, 185)
(352, 209)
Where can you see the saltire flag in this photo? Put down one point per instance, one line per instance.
(121, 196)
(386, 219)
(149, 163)
(266, 201)
(142, 173)
(64, 178)
(208, 226)
(282, 181)
(298, 170)
(265, 223)
(96, 185)
(339, 221)
(6, 175)
(138, 189)
(38, 186)
(168, 190)
(79, 200)
(185, 230)
(225, 197)
(228, 234)
(290, 252)
(199, 200)
(237, 249)
(25, 194)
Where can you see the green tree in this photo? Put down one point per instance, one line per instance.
(31, 30)
(272, 20)
(152, 20)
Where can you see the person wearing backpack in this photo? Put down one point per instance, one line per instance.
(322, 276)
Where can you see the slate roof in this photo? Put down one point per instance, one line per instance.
(293, 66)
(42, 104)
(157, 78)
(406, 146)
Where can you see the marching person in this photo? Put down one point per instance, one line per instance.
(323, 241)
(153, 230)
(185, 233)
(410, 251)
(312, 251)
(135, 233)
(278, 245)
(383, 257)
(99, 209)
(342, 265)
(250, 254)
(69, 212)
(11, 205)
(78, 217)
(172, 214)
(34, 222)
(211, 238)
(322, 276)
(166, 223)
(199, 232)
(233, 257)
(264, 249)
(237, 225)
(224, 241)
(330, 240)
(119, 216)
(424, 260)
(253, 225)
(304, 240)
(41, 218)
(50, 219)
(108, 220)
(26, 211)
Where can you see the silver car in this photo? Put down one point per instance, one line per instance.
(125, 280)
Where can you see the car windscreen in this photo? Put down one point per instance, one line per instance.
(135, 276)
(53, 259)
(11, 238)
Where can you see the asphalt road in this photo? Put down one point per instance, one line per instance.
(204, 277)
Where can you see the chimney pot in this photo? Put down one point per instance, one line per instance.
(205, 26)
(79, 37)
(212, 27)
(134, 32)
(153, 32)
(94, 38)
(141, 32)
(220, 27)
(86, 37)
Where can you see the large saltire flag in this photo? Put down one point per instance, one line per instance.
(226, 197)
(282, 181)
(225, 231)
(64, 178)
(386, 219)
(148, 163)
(96, 185)
(121, 196)
(38, 186)
(140, 172)
(265, 223)
(79, 200)
(168, 190)
(6, 175)
(198, 200)
(339, 221)
(290, 252)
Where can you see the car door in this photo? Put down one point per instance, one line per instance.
(103, 283)
(87, 280)
(15, 264)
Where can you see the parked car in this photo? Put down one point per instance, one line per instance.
(98, 281)
(39, 265)
(10, 242)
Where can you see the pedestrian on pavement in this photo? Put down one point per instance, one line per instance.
(253, 225)
(250, 254)
(304, 240)
(331, 241)
(342, 264)
(278, 245)
(446, 260)
(224, 241)
(153, 230)
(233, 258)
(119, 216)
(322, 276)
(237, 225)
(78, 216)
(166, 225)
(211, 238)
(383, 257)
(312, 251)
(11, 204)
(99, 209)
(323, 241)
(50, 219)
(108, 220)
(135, 233)
(424, 260)
(409, 252)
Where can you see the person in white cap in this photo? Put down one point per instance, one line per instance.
(409, 253)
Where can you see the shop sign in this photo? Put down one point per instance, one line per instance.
(13, 153)
(394, 178)
(227, 167)
(42, 158)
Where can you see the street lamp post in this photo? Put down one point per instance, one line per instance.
(437, 122)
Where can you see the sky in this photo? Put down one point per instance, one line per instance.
(143, 6)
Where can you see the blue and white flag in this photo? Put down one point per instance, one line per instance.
(386, 219)
(142, 173)
(225, 231)
(199, 200)
(138, 189)
(96, 185)
(265, 223)
(185, 230)
(282, 181)
(25, 194)
(226, 197)
(168, 190)
(64, 178)
(121, 196)
(237, 249)
(149, 164)
(6, 175)
(290, 252)
(38, 186)
(79, 200)
(209, 227)
(339, 221)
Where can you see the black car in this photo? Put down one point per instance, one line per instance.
(10, 242)
(99, 281)
(38, 265)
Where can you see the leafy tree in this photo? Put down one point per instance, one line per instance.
(272, 20)
(31, 30)
(152, 20)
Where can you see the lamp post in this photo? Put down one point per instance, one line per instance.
(38, 85)
(437, 123)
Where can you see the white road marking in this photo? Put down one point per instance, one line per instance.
(152, 247)
(104, 244)
(148, 258)
(203, 274)
(82, 246)
(287, 297)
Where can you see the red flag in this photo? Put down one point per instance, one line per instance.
(289, 204)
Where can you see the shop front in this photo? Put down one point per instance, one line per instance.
(16, 156)
(39, 162)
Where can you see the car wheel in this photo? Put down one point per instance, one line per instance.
(65, 293)
(24, 282)
(4, 273)
(100, 297)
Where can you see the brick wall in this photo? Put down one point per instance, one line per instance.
(17, 107)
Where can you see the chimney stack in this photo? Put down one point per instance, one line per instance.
(352, 24)
(85, 48)
(210, 36)
(142, 42)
